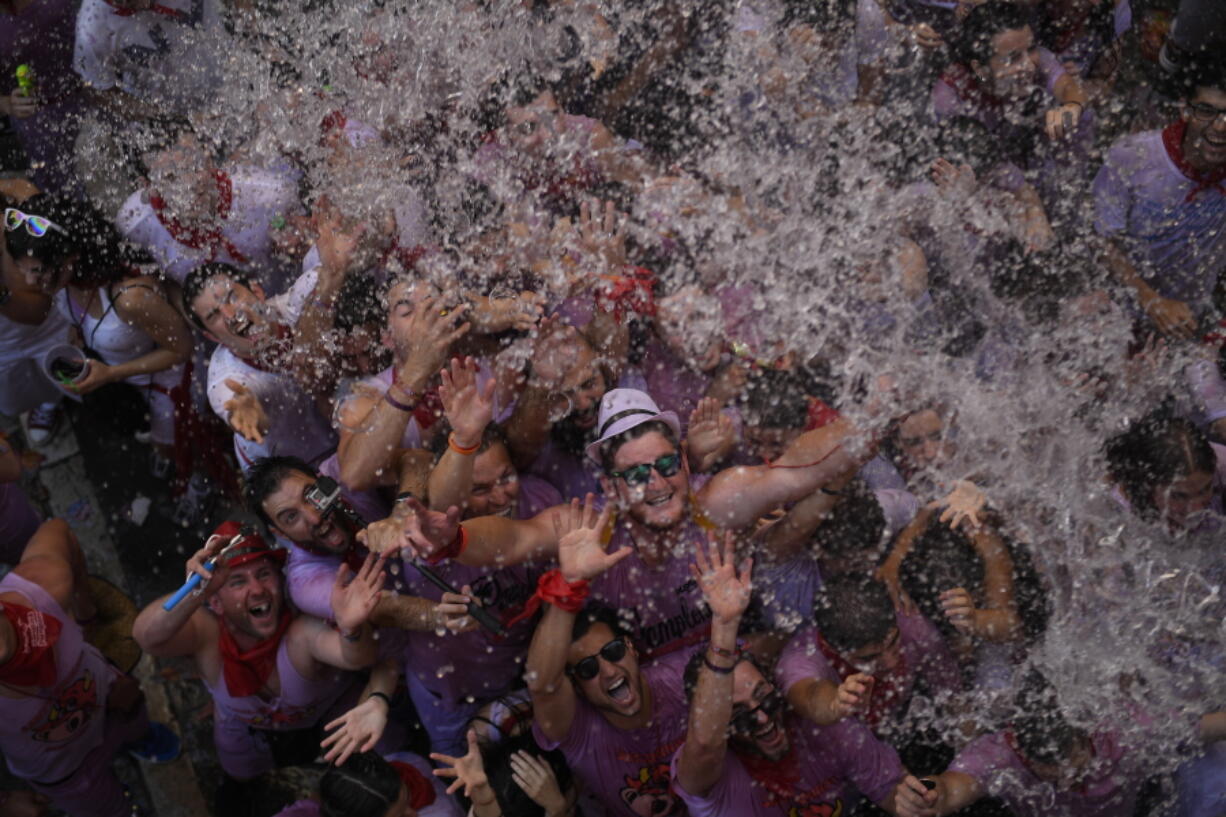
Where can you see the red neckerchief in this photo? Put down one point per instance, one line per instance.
(1172, 139)
(968, 88)
(332, 123)
(156, 8)
(1011, 740)
(197, 238)
(246, 673)
(819, 414)
(421, 790)
(33, 661)
(271, 359)
(778, 777)
(429, 407)
(406, 256)
(633, 292)
(887, 687)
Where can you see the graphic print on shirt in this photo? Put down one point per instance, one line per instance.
(68, 713)
(281, 716)
(648, 794)
(688, 626)
(503, 593)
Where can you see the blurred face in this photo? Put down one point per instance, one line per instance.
(1013, 66)
(617, 685)
(1183, 500)
(531, 126)
(298, 520)
(250, 599)
(1204, 142)
(47, 278)
(758, 709)
(1070, 774)
(768, 442)
(882, 657)
(183, 175)
(921, 439)
(402, 299)
(577, 401)
(495, 484)
(235, 316)
(660, 502)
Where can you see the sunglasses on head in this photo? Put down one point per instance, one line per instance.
(587, 668)
(36, 226)
(745, 721)
(667, 466)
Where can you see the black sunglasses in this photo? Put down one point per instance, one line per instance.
(637, 475)
(587, 668)
(745, 721)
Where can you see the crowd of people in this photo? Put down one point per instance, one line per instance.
(744, 407)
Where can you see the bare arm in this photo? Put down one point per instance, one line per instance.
(1213, 727)
(787, 537)
(54, 561)
(956, 791)
(1000, 621)
(737, 497)
(149, 311)
(187, 629)
(468, 410)
(1069, 90)
(26, 304)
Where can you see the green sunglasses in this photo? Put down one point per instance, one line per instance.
(640, 474)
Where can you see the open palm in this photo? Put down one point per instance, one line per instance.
(726, 592)
(581, 553)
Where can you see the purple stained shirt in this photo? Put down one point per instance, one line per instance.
(1110, 789)
(628, 769)
(835, 766)
(948, 103)
(1141, 201)
(478, 664)
(925, 652)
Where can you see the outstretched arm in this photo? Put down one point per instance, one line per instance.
(469, 410)
(359, 729)
(188, 628)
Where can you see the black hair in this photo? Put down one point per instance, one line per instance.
(824, 15)
(361, 302)
(985, 21)
(854, 525)
(940, 559)
(365, 785)
(265, 476)
(778, 398)
(511, 798)
(199, 278)
(1157, 450)
(104, 255)
(854, 611)
(609, 448)
(597, 613)
(1042, 733)
(494, 434)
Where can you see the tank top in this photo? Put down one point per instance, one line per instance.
(299, 705)
(115, 340)
(46, 737)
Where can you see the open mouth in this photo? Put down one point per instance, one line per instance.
(240, 325)
(327, 533)
(620, 691)
(663, 499)
(585, 419)
(260, 612)
(505, 513)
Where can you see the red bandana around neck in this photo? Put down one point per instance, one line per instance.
(887, 689)
(780, 778)
(1172, 139)
(421, 790)
(245, 673)
(198, 238)
(156, 8)
(33, 661)
(968, 87)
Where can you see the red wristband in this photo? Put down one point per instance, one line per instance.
(453, 550)
(555, 590)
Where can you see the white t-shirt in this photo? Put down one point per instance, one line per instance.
(174, 60)
(295, 425)
(259, 196)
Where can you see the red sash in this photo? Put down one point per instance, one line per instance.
(197, 238)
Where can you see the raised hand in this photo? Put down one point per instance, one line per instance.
(602, 237)
(535, 776)
(247, 416)
(468, 771)
(726, 592)
(337, 245)
(710, 435)
(358, 730)
(853, 693)
(386, 536)
(354, 600)
(957, 181)
(962, 505)
(581, 554)
(429, 532)
(959, 608)
(427, 338)
(468, 409)
(210, 581)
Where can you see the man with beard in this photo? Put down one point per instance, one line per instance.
(269, 670)
(272, 366)
(615, 722)
(778, 764)
(660, 513)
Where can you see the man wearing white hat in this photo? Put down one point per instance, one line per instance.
(661, 515)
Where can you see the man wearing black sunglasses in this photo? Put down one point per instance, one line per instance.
(778, 764)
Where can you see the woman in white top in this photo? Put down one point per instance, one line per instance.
(129, 330)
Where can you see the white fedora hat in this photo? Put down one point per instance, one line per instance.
(622, 410)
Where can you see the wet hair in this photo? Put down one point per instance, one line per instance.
(362, 301)
(494, 434)
(940, 559)
(1157, 450)
(511, 798)
(365, 785)
(854, 611)
(265, 476)
(974, 42)
(199, 278)
(1042, 733)
(777, 398)
(854, 525)
(599, 614)
(610, 447)
(104, 254)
